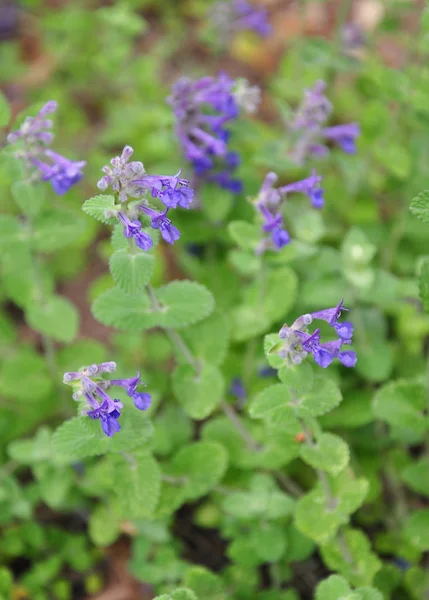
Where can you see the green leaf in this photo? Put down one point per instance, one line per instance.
(333, 588)
(270, 542)
(269, 400)
(200, 466)
(4, 111)
(420, 206)
(416, 529)
(28, 452)
(28, 197)
(139, 474)
(272, 346)
(401, 404)
(298, 378)
(415, 476)
(55, 229)
(247, 322)
(98, 205)
(24, 376)
(131, 272)
(424, 285)
(246, 235)
(263, 501)
(181, 303)
(209, 339)
(199, 393)
(363, 564)
(103, 526)
(205, 584)
(179, 594)
(278, 289)
(330, 453)
(356, 249)
(11, 233)
(81, 437)
(57, 318)
(323, 397)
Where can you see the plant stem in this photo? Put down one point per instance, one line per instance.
(172, 334)
(241, 429)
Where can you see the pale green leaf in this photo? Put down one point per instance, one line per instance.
(103, 525)
(199, 393)
(131, 271)
(98, 205)
(330, 453)
(246, 235)
(401, 404)
(416, 529)
(37, 449)
(56, 317)
(139, 475)
(4, 111)
(28, 196)
(334, 587)
(420, 206)
(179, 594)
(55, 229)
(424, 285)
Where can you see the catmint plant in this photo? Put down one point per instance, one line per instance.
(89, 385)
(202, 109)
(33, 139)
(307, 127)
(228, 17)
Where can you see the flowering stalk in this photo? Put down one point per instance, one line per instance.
(202, 109)
(229, 17)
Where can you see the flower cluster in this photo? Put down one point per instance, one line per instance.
(130, 180)
(88, 384)
(308, 127)
(202, 108)
(268, 204)
(231, 16)
(297, 342)
(35, 136)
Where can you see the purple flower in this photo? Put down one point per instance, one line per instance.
(172, 191)
(297, 342)
(202, 109)
(109, 418)
(231, 16)
(62, 173)
(160, 221)
(273, 223)
(88, 384)
(133, 229)
(237, 389)
(141, 400)
(308, 128)
(343, 135)
(309, 186)
(34, 136)
(121, 175)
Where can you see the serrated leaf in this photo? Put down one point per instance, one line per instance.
(272, 346)
(200, 466)
(181, 303)
(80, 437)
(204, 583)
(56, 318)
(401, 404)
(416, 477)
(420, 206)
(416, 529)
(131, 271)
(324, 396)
(363, 563)
(270, 400)
(298, 378)
(139, 474)
(199, 393)
(98, 205)
(330, 453)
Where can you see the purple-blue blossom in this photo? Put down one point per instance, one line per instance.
(129, 181)
(89, 385)
(202, 109)
(34, 136)
(268, 203)
(231, 16)
(297, 342)
(237, 389)
(308, 127)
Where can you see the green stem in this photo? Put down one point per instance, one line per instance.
(172, 334)
(240, 428)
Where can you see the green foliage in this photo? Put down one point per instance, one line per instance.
(131, 271)
(198, 392)
(420, 206)
(56, 318)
